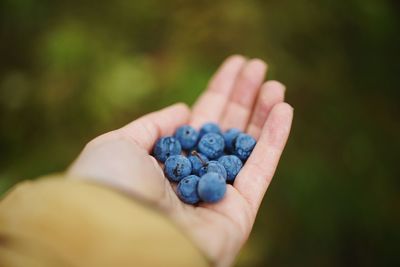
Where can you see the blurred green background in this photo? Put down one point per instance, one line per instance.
(72, 70)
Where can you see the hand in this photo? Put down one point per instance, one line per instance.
(236, 97)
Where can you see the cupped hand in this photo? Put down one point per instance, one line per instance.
(236, 97)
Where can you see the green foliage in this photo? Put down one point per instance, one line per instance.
(72, 70)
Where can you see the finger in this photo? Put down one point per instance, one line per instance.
(211, 104)
(147, 129)
(253, 180)
(272, 93)
(246, 88)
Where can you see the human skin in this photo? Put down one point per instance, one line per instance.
(236, 97)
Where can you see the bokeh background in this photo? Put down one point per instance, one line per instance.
(70, 70)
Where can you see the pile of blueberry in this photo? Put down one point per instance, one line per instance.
(203, 162)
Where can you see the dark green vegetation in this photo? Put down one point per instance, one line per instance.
(71, 71)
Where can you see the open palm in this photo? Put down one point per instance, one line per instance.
(236, 97)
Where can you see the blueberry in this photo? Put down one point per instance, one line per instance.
(210, 128)
(187, 136)
(211, 187)
(229, 137)
(243, 146)
(213, 166)
(198, 160)
(232, 165)
(211, 145)
(165, 147)
(176, 167)
(187, 189)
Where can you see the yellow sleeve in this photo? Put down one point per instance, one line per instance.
(63, 222)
